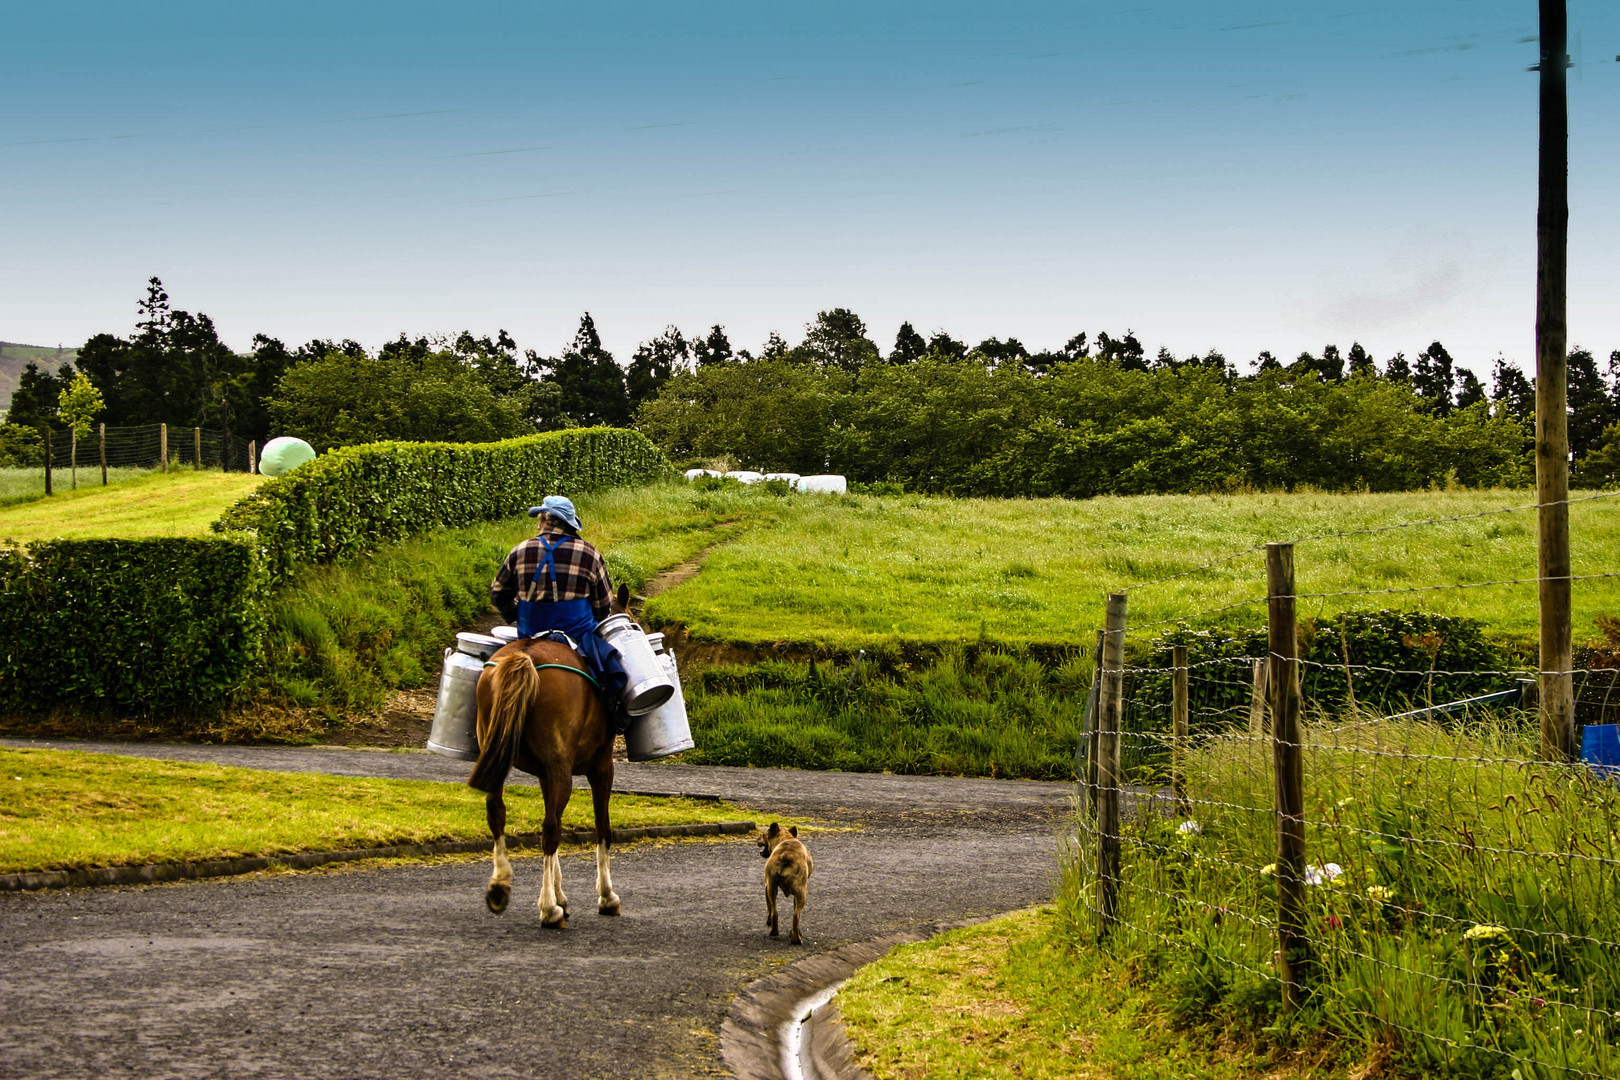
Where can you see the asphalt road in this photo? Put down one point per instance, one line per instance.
(401, 972)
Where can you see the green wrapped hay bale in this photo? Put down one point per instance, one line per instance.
(283, 455)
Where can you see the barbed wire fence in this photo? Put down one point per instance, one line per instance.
(1354, 832)
(107, 454)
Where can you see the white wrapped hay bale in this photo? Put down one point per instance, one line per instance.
(824, 485)
(745, 476)
(789, 478)
(693, 474)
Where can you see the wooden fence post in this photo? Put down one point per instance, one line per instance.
(73, 455)
(1257, 700)
(1552, 392)
(1111, 706)
(1178, 713)
(1087, 752)
(163, 447)
(103, 441)
(196, 449)
(1289, 773)
(47, 433)
(253, 457)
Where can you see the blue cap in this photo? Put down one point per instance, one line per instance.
(560, 507)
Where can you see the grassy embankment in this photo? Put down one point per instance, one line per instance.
(179, 503)
(1462, 924)
(968, 607)
(1011, 997)
(64, 810)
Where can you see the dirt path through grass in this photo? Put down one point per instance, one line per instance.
(401, 972)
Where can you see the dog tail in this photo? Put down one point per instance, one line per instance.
(513, 684)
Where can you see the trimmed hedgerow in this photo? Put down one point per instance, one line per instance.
(354, 499)
(152, 625)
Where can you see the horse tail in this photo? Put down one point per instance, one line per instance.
(513, 684)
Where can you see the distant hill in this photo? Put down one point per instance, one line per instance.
(15, 357)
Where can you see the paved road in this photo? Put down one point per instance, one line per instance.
(400, 972)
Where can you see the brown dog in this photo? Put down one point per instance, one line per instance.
(787, 870)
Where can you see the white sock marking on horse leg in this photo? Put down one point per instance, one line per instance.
(502, 874)
(606, 897)
(556, 883)
(550, 913)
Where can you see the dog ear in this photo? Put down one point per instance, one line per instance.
(624, 597)
(793, 831)
(774, 830)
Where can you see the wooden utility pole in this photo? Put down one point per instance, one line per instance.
(103, 441)
(1288, 758)
(1112, 704)
(1178, 714)
(163, 447)
(1552, 399)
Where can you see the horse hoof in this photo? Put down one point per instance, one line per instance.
(497, 896)
(775, 934)
(608, 909)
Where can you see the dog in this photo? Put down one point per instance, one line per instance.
(787, 870)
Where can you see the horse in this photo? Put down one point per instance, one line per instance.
(536, 715)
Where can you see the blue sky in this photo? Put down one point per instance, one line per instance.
(1239, 175)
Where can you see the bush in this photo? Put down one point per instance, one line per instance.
(21, 447)
(130, 625)
(354, 499)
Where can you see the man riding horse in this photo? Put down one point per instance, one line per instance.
(555, 582)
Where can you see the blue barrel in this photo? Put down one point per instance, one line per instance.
(1600, 748)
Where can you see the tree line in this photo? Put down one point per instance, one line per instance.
(1099, 415)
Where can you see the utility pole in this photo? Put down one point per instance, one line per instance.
(1552, 398)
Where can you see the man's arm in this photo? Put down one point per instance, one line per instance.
(503, 591)
(601, 588)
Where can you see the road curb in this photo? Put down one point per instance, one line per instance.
(751, 1034)
(183, 871)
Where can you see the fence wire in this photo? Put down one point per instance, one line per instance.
(108, 455)
(1462, 894)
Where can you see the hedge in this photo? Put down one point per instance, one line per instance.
(151, 625)
(356, 498)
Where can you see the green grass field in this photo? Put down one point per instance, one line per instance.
(26, 485)
(863, 571)
(62, 810)
(178, 503)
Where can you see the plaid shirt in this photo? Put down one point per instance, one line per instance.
(581, 575)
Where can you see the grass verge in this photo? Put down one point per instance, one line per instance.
(1013, 997)
(178, 503)
(1460, 905)
(65, 809)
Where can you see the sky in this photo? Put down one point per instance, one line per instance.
(1245, 175)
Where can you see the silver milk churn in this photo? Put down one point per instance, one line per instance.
(505, 633)
(650, 684)
(665, 730)
(455, 720)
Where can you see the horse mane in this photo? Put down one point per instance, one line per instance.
(513, 684)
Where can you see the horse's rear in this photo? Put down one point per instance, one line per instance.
(548, 721)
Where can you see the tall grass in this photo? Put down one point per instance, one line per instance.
(1464, 919)
(969, 712)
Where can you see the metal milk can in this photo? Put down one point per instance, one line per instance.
(455, 719)
(650, 683)
(664, 730)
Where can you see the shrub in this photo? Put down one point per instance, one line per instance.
(172, 624)
(354, 499)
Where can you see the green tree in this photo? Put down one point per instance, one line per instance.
(655, 363)
(79, 403)
(838, 339)
(1511, 391)
(713, 349)
(909, 346)
(342, 400)
(34, 402)
(590, 384)
(1589, 403)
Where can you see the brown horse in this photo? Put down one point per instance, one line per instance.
(549, 722)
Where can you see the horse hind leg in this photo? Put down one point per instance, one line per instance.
(499, 892)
